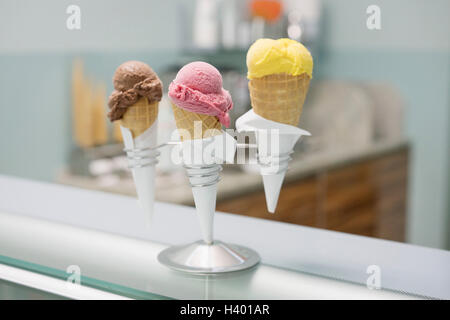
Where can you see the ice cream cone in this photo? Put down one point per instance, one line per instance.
(134, 105)
(141, 120)
(200, 107)
(279, 72)
(279, 97)
(185, 121)
(140, 116)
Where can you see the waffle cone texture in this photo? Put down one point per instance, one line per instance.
(140, 116)
(279, 97)
(190, 123)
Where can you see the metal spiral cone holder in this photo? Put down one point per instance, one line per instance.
(207, 256)
(141, 162)
(142, 157)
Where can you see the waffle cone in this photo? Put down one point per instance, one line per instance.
(186, 120)
(140, 116)
(279, 97)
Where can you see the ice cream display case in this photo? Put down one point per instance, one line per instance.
(211, 149)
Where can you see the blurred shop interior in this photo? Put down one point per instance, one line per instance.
(377, 163)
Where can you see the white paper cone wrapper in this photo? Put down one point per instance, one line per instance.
(275, 141)
(201, 158)
(144, 177)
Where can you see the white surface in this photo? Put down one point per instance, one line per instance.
(132, 263)
(53, 285)
(404, 267)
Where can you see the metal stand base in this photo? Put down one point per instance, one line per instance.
(202, 258)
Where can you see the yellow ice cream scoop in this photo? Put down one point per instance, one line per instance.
(268, 56)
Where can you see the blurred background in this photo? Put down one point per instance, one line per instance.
(377, 163)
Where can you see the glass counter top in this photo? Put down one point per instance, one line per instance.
(153, 281)
(104, 236)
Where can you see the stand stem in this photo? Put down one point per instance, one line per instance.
(203, 180)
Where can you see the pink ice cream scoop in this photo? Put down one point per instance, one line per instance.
(198, 88)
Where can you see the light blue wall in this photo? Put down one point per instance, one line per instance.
(35, 115)
(405, 24)
(425, 88)
(36, 53)
(35, 103)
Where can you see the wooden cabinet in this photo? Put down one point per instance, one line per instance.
(365, 197)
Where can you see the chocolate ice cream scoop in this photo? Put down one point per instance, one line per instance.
(133, 80)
